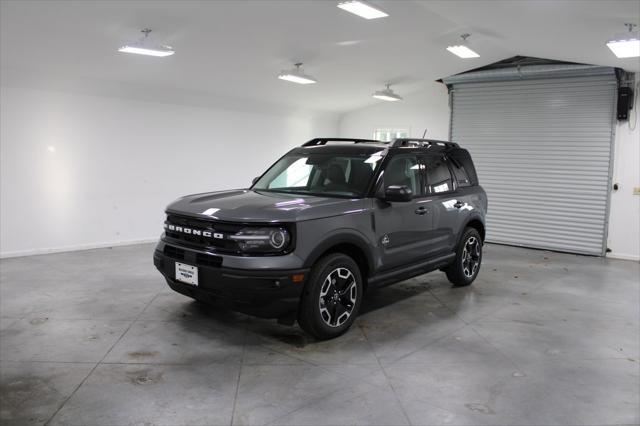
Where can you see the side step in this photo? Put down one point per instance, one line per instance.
(406, 272)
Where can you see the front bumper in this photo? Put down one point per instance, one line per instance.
(264, 293)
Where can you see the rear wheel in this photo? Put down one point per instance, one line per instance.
(464, 269)
(332, 297)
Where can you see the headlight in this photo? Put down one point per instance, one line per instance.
(278, 238)
(262, 240)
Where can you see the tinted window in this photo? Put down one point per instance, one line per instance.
(404, 170)
(460, 173)
(320, 174)
(438, 176)
(462, 157)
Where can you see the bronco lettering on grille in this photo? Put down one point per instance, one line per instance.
(192, 231)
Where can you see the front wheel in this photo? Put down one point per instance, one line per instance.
(464, 269)
(331, 298)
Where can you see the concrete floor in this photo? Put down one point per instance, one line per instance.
(96, 337)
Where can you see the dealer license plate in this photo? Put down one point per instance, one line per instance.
(186, 273)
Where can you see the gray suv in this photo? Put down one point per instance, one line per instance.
(328, 222)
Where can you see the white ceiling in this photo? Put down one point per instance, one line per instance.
(235, 49)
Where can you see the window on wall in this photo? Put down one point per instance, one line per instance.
(389, 134)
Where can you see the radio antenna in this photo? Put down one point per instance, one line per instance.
(425, 133)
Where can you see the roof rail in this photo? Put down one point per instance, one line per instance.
(323, 141)
(408, 142)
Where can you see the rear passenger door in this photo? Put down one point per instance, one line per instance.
(466, 196)
(445, 205)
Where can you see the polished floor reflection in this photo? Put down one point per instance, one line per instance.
(96, 337)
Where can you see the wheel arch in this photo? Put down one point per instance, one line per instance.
(478, 224)
(351, 245)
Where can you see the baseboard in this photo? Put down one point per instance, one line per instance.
(623, 256)
(78, 247)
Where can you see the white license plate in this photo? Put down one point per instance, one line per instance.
(186, 273)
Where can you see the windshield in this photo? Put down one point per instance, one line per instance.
(328, 175)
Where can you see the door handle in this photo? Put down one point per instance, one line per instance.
(458, 204)
(421, 210)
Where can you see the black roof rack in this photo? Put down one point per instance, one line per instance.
(410, 142)
(323, 141)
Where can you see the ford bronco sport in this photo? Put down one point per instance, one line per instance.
(328, 222)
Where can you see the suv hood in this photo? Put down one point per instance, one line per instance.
(258, 206)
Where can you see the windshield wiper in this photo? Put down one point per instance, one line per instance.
(284, 191)
(313, 194)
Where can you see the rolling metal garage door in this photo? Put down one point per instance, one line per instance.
(542, 148)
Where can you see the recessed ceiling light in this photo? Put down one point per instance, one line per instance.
(462, 50)
(362, 9)
(142, 47)
(627, 45)
(296, 75)
(387, 94)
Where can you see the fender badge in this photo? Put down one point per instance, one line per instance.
(385, 239)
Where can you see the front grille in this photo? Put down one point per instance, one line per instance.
(208, 260)
(201, 259)
(221, 229)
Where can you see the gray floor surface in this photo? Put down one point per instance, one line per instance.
(96, 337)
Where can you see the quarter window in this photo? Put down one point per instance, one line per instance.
(460, 173)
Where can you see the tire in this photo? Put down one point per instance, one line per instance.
(464, 269)
(331, 298)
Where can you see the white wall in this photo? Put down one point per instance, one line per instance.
(624, 216)
(430, 109)
(118, 163)
(426, 109)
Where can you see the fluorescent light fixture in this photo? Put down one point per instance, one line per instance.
(143, 48)
(387, 95)
(627, 45)
(297, 78)
(159, 51)
(462, 50)
(362, 9)
(296, 75)
(625, 48)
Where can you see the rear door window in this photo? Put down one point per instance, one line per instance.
(438, 175)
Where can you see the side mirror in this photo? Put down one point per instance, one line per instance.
(254, 180)
(398, 193)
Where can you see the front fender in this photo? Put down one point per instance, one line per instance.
(343, 236)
